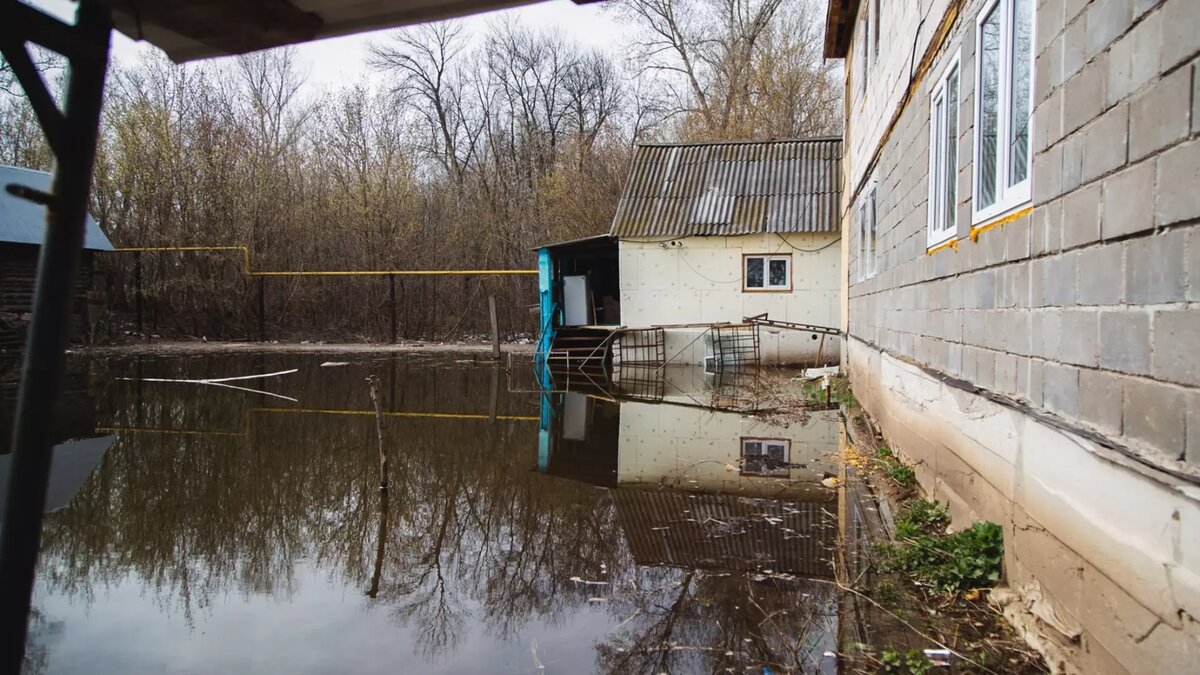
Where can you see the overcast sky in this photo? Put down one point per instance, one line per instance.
(340, 60)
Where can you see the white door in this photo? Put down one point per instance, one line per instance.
(575, 301)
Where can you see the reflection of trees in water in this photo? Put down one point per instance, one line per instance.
(680, 620)
(467, 535)
(194, 517)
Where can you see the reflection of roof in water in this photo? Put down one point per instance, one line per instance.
(724, 532)
(70, 467)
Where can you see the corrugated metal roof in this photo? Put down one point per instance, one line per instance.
(23, 222)
(725, 532)
(732, 188)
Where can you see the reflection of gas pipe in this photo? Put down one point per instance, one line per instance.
(318, 411)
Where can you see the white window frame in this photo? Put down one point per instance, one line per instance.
(865, 54)
(877, 14)
(1008, 198)
(938, 228)
(779, 472)
(868, 255)
(767, 287)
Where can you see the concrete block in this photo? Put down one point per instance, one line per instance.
(1160, 115)
(1046, 223)
(1048, 121)
(1073, 8)
(1061, 272)
(1100, 400)
(1048, 174)
(1047, 74)
(1047, 333)
(1101, 275)
(1081, 216)
(1195, 97)
(1017, 338)
(1176, 358)
(1129, 200)
(1080, 337)
(1105, 143)
(1074, 42)
(985, 369)
(1180, 37)
(1072, 166)
(1085, 94)
(1006, 373)
(1060, 389)
(1034, 381)
(1140, 7)
(1154, 269)
(1178, 175)
(1106, 21)
(1193, 265)
(1049, 17)
(1155, 414)
(1125, 341)
(1192, 451)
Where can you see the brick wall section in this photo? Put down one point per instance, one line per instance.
(1087, 308)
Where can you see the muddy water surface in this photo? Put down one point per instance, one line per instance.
(203, 529)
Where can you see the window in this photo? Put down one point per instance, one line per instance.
(943, 157)
(767, 273)
(766, 456)
(1004, 51)
(878, 29)
(868, 240)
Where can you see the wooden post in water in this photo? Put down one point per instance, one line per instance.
(137, 288)
(262, 311)
(495, 327)
(383, 459)
(392, 303)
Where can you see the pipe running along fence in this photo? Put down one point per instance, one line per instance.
(262, 275)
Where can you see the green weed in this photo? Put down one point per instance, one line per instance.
(921, 516)
(912, 662)
(949, 563)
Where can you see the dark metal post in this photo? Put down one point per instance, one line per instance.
(72, 135)
(137, 288)
(262, 311)
(495, 328)
(392, 303)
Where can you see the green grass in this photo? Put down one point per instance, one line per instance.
(912, 662)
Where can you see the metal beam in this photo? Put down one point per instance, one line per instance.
(58, 267)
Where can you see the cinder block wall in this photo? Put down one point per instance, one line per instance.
(1085, 308)
(1082, 312)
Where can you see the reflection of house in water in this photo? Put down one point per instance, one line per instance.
(703, 488)
(78, 449)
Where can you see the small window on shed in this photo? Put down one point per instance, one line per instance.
(766, 456)
(767, 273)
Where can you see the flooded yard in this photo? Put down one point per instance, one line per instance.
(197, 528)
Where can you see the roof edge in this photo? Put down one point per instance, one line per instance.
(692, 144)
(839, 23)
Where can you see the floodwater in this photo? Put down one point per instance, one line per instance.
(203, 529)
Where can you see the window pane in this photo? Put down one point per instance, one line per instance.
(778, 273)
(950, 220)
(872, 235)
(1022, 32)
(937, 124)
(776, 452)
(989, 101)
(754, 272)
(753, 448)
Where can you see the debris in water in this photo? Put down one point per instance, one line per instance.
(597, 599)
(334, 364)
(581, 580)
(224, 382)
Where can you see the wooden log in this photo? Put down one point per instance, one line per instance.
(383, 458)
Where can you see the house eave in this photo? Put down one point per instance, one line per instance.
(839, 26)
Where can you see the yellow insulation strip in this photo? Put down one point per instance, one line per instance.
(999, 222)
(952, 244)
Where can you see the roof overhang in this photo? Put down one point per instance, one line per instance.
(596, 243)
(196, 29)
(839, 25)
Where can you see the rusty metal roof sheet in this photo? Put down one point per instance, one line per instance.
(732, 188)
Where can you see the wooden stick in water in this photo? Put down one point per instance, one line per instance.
(373, 380)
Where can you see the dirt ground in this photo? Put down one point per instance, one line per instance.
(178, 347)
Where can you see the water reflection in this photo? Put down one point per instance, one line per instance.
(231, 531)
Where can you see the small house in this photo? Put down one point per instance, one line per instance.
(22, 227)
(717, 252)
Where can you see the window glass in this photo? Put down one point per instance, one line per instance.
(779, 273)
(1022, 36)
(754, 272)
(950, 217)
(989, 102)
